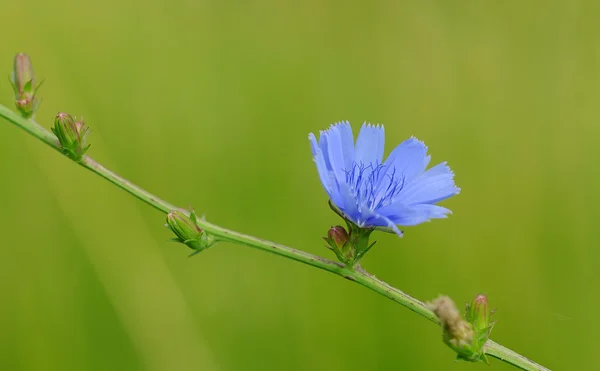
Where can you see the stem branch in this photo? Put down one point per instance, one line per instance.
(357, 275)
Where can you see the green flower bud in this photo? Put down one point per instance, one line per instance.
(23, 82)
(183, 226)
(479, 315)
(71, 134)
(188, 232)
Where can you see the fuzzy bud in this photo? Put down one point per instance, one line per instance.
(458, 334)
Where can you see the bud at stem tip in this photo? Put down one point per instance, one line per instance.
(23, 82)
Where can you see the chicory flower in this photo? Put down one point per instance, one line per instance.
(372, 193)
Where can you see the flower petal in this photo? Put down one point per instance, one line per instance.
(347, 144)
(435, 185)
(379, 220)
(370, 145)
(409, 159)
(340, 149)
(324, 175)
(347, 203)
(413, 215)
(423, 213)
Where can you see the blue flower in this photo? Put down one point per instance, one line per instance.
(372, 193)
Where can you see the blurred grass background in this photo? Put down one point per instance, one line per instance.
(210, 104)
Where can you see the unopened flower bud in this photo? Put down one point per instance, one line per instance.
(188, 232)
(71, 134)
(478, 313)
(23, 81)
(338, 241)
(183, 226)
(338, 236)
(457, 333)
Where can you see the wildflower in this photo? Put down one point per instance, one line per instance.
(371, 193)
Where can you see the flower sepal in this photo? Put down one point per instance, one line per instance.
(187, 231)
(349, 246)
(359, 239)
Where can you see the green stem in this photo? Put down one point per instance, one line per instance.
(357, 275)
(30, 126)
(502, 353)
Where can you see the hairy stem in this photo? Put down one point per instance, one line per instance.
(357, 275)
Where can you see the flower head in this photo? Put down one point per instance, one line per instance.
(373, 193)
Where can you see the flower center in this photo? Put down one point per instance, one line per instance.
(374, 185)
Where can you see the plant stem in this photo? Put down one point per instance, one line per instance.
(493, 349)
(357, 275)
(30, 126)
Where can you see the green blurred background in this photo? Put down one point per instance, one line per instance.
(210, 104)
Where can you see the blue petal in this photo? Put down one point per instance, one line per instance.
(324, 146)
(324, 175)
(380, 220)
(396, 211)
(434, 211)
(413, 215)
(347, 143)
(409, 159)
(347, 203)
(435, 185)
(340, 149)
(370, 144)
(422, 213)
